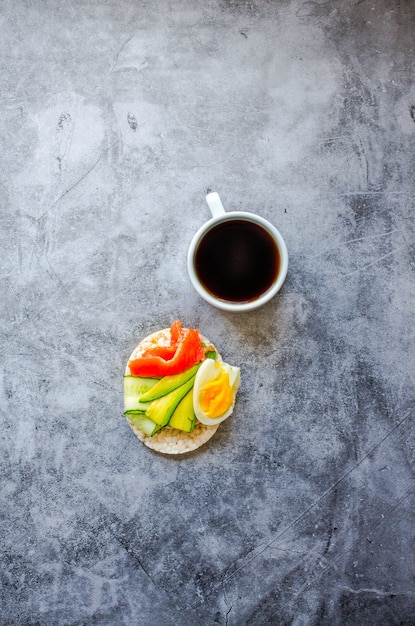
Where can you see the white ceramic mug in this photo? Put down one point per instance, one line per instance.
(246, 221)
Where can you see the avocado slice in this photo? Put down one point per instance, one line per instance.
(143, 423)
(184, 417)
(161, 409)
(166, 384)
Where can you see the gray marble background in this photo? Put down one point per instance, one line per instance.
(117, 116)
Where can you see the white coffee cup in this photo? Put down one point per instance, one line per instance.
(259, 270)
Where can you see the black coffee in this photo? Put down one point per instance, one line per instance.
(237, 261)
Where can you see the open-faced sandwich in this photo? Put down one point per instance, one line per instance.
(177, 390)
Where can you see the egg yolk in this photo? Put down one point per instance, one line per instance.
(216, 396)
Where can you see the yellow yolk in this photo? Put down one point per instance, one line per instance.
(216, 396)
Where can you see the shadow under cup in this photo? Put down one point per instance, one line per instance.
(237, 261)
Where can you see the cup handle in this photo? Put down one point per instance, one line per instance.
(215, 204)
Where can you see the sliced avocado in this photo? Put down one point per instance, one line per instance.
(143, 423)
(184, 417)
(134, 387)
(166, 384)
(161, 409)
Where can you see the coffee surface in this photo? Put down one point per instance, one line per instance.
(237, 261)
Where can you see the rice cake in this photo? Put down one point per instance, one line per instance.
(170, 440)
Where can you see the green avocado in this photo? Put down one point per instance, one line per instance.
(166, 384)
(161, 409)
(184, 417)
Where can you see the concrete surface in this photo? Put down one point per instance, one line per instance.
(116, 118)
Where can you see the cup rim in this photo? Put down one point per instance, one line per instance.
(226, 305)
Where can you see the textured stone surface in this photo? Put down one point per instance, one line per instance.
(116, 118)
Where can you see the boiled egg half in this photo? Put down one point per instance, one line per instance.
(214, 391)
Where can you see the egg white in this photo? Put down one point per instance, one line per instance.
(207, 372)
